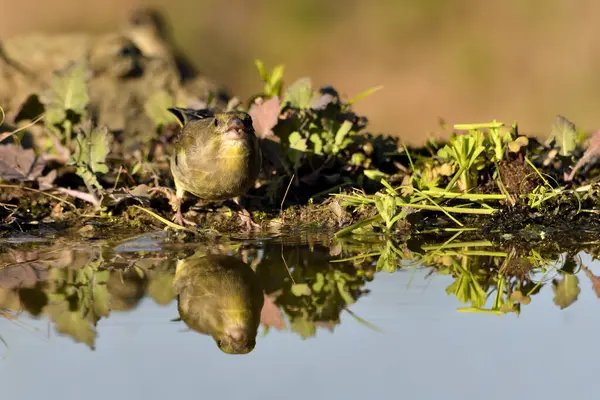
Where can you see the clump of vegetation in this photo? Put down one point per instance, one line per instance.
(486, 170)
(60, 165)
(312, 142)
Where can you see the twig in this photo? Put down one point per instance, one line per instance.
(6, 135)
(118, 176)
(286, 265)
(285, 195)
(163, 220)
(80, 195)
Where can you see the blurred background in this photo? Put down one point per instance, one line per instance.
(463, 61)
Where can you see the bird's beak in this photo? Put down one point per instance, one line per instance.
(235, 129)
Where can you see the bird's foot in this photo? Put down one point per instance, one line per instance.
(247, 221)
(169, 193)
(179, 220)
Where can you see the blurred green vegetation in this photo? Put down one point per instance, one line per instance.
(467, 61)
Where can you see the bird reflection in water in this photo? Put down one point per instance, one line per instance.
(219, 295)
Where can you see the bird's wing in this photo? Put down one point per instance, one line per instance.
(185, 115)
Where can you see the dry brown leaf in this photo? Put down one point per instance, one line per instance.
(45, 182)
(17, 163)
(591, 154)
(595, 280)
(265, 115)
(271, 315)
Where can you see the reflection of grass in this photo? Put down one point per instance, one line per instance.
(312, 288)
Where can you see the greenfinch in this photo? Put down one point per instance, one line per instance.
(219, 295)
(217, 157)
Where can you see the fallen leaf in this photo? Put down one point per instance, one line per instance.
(139, 193)
(265, 116)
(45, 182)
(591, 154)
(321, 102)
(564, 133)
(17, 163)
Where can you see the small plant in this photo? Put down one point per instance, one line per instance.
(273, 80)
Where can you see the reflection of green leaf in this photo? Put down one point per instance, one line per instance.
(320, 281)
(156, 107)
(388, 260)
(303, 327)
(68, 91)
(566, 290)
(343, 290)
(299, 94)
(101, 297)
(71, 323)
(565, 134)
(466, 288)
(300, 289)
(77, 299)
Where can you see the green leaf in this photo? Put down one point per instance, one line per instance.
(156, 107)
(260, 66)
(297, 142)
(276, 80)
(364, 94)
(299, 94)
(342, 133)
(375, 174)
(566, 290)
(273, 81)
(93, 145)
(516, 144)
(565, 134)
(317, 143)
(68, 91)
(300, 289)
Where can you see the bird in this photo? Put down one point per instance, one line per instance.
(216, 157)
(221, 296)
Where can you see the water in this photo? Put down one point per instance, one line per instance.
(405, 338)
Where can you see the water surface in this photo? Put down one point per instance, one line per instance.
(100, 320)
